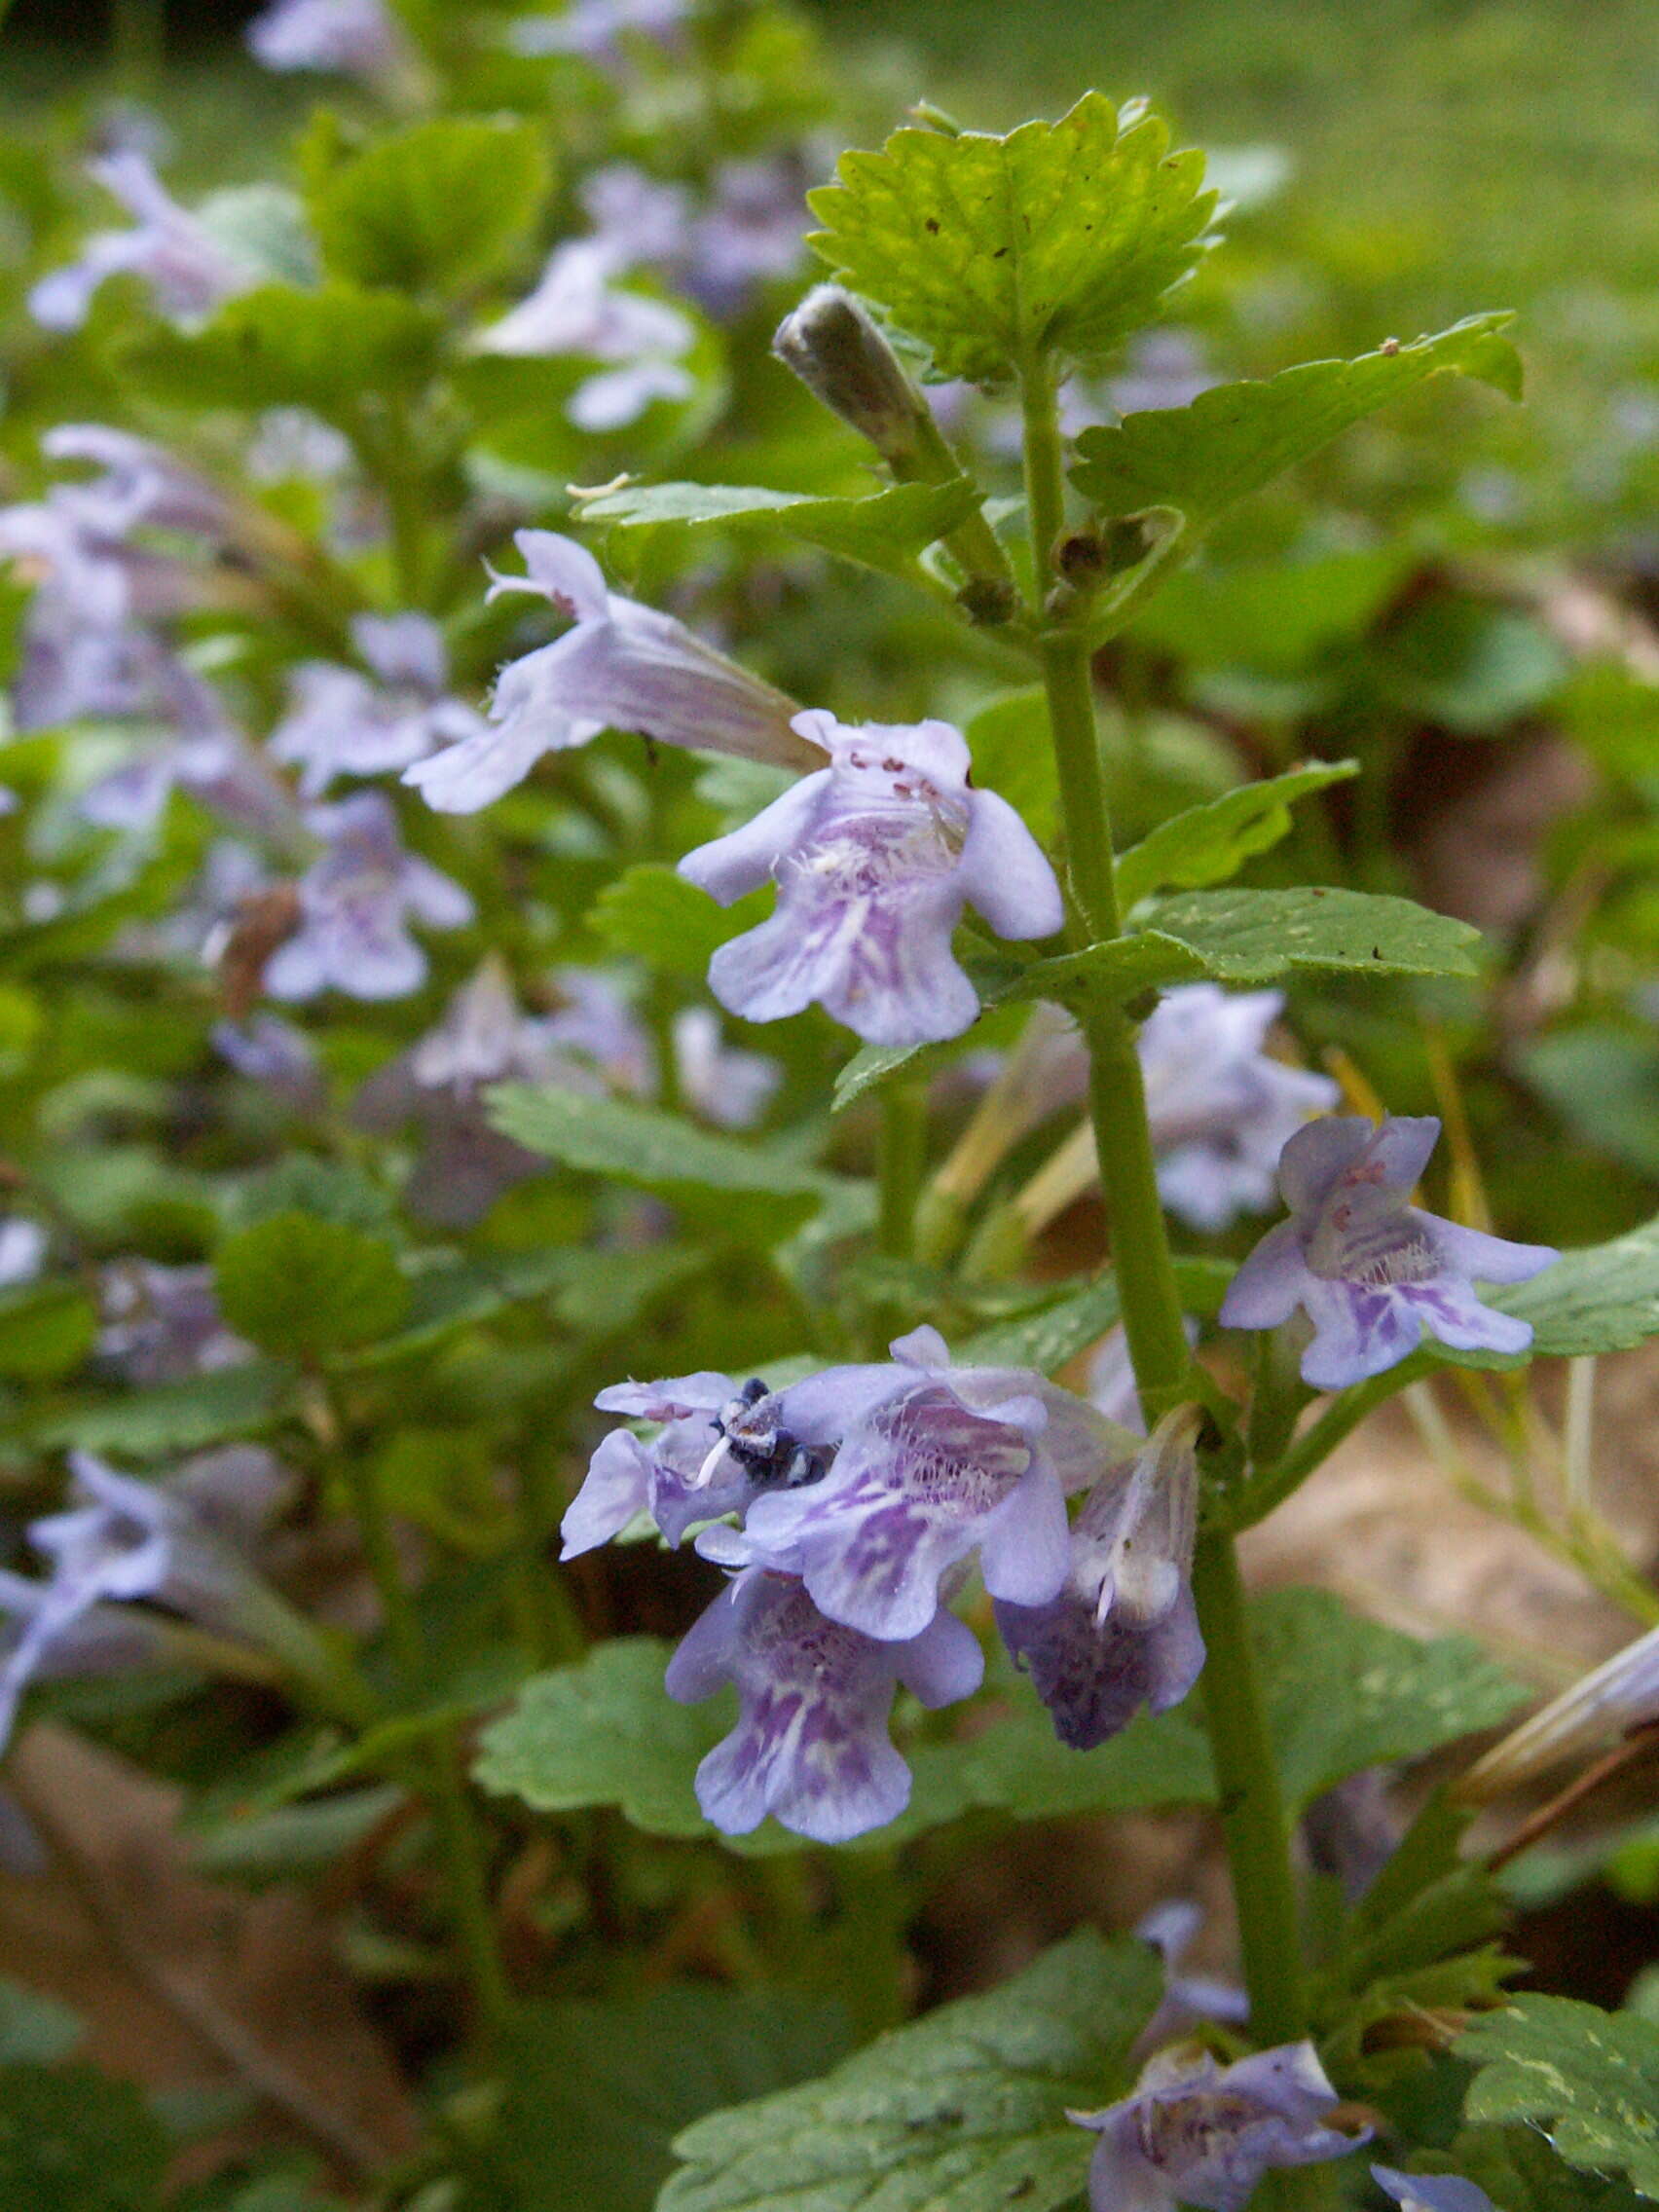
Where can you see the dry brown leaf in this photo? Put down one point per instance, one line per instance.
(185, 1983)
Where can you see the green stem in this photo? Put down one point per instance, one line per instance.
(1252, 1806)
(1252, 1811)
(459, 1838)
(901, 1162)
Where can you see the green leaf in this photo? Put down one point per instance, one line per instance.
(1345, 1693)
(1589, 2080)
(1469, 665)
(652, 913)
(1602, 1298)
(885, 530)
(284, 347)
(1519, 2171)
(46, 1331)
(437, 207)
(264, 226)
(1235, 438)
(872, 1064)
(1207, 844)
(299, 1285)
(215, 1407)
(605, 1732)
(1251, 937)
(75, 2140)
(756, 1189)
(1604, 1081)
(1060, 237)
(1056, 1333)
(597, 2092)
(965, 2107)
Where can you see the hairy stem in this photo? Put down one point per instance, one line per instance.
(1252, 1809)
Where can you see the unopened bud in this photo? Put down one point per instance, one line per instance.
(836, 349)
(989, 601)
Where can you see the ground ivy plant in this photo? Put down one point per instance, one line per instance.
(410, 1066)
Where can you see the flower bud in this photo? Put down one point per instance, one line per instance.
(834, 345)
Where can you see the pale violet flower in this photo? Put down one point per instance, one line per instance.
(637, 219)
(1188, 1998)
(139, 485)
(577, 308)
(1371, 1271)
(272, 1053)
(593, 1043)
(1195, 2133)
(163, 1324)
(356, 905)
(620, 665)
(811, 1745)
(1352, 1830)
(1123, 1633)
(351, 38)
(1221, 1108)
(752, 231)
(1431, 2192)
(598, 31)
(22, 1251)
(875, 857)
(720, 1081)
(292, 442)
(188, 269)
(1614, 1699)
(342, 722)
(697, 1418)
(933, 1464)
(175, 1543)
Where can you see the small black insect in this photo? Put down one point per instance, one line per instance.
(768, 1452)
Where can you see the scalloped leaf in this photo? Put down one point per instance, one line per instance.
(966, 2107)
(884, 530)
(1206, 844)
(1589, 2080)
(1061, 237)
(1235, 438)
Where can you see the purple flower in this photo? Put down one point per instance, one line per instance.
(1161, 369)
(351, 38)
(621, 664)
(811, 1743)
(636, 218)
(666, 1478)
(22, 1250)
(1169, 1928)
(341, 723)
(721, 1083)
(356, 905)
(275, 1055)
(1123, 1632)
(593, 1043)
(1431, 2192)
(934, 1464)
(598, 31)
(141, 486)
(874, 859)
(1369, 1270)
(185, 266)
(1352, 1832)
(120, 1541)
(753, 233)
(163, 1324)
(1196, 2133)
(577, 309)
(1221, 1108)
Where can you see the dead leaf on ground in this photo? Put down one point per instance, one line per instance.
(185, 1983)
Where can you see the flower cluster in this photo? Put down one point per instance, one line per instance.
(860, 1497)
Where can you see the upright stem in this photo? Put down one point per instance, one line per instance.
(458, 1837)
(1252, 1804)
(1252, 1807)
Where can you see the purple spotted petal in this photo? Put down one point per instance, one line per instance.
(1431, 2192)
